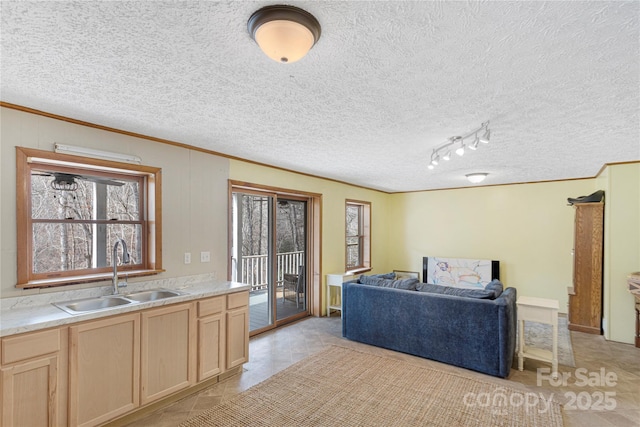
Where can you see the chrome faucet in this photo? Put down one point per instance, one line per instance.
(114, 260)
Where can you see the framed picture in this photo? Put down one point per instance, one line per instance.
(460, 272)
(400, 274)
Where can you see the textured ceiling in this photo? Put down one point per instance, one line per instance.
(386, 83)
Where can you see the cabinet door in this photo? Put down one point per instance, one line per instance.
(33, 379)
(29, 396)
(237, 337)
(585, 313)
(104, 369)
(210, 346)
(168, 351)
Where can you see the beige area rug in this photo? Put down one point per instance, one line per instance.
(344, 387)
(539, 335)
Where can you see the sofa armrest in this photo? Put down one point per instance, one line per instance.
(508, 325)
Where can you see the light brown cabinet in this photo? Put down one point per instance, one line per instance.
(95, 371)
(104, 369)
(237, 329)
(168, 337)
(585, 298)
(33, 379)
(211, 337)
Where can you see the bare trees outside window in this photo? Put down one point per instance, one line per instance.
(358, 239)
(72, 210)
(74, 229)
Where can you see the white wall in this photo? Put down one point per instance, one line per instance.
(194, 193)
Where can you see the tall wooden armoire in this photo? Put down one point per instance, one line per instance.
(585, 298)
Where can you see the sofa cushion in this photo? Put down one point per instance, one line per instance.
(496, 286)
(406, 284)
(391, 275)
(378, 276)
(460, 292)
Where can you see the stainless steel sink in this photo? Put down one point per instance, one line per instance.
(152, 295)
(92, 304)
(103, 303)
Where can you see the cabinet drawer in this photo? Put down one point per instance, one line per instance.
(26, 346)
(210, 306)
(239, 299)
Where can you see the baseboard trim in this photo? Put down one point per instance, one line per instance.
(585, 329)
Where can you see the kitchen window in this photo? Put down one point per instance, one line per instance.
(71, 212)
(358, 236)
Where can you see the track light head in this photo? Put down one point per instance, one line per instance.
(443, 151)
(460, 150)
(474, 144)
(486, 136)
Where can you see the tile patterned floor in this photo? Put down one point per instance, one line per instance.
(274, 351)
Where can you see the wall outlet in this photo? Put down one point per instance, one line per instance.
(205, 256)
(187, 257)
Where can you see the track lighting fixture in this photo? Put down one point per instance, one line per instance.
(444, 150)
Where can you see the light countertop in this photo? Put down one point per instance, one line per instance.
(27, 314)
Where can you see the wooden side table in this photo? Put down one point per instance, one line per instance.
(543, 311)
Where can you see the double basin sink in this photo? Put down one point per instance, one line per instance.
(88, 305)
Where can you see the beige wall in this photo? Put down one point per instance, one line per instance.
(194, 191)
(527, 227)
(334, 195)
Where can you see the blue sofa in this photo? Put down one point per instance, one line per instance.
(477, 334)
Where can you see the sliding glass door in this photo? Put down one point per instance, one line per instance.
(291, 254)
(269, 253)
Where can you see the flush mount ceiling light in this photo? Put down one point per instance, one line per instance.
(443, 151)
(476, 177)
(284, 33)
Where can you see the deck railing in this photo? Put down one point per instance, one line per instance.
(254, 269)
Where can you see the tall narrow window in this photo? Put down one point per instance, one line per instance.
(358, 236)
(73, 210)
